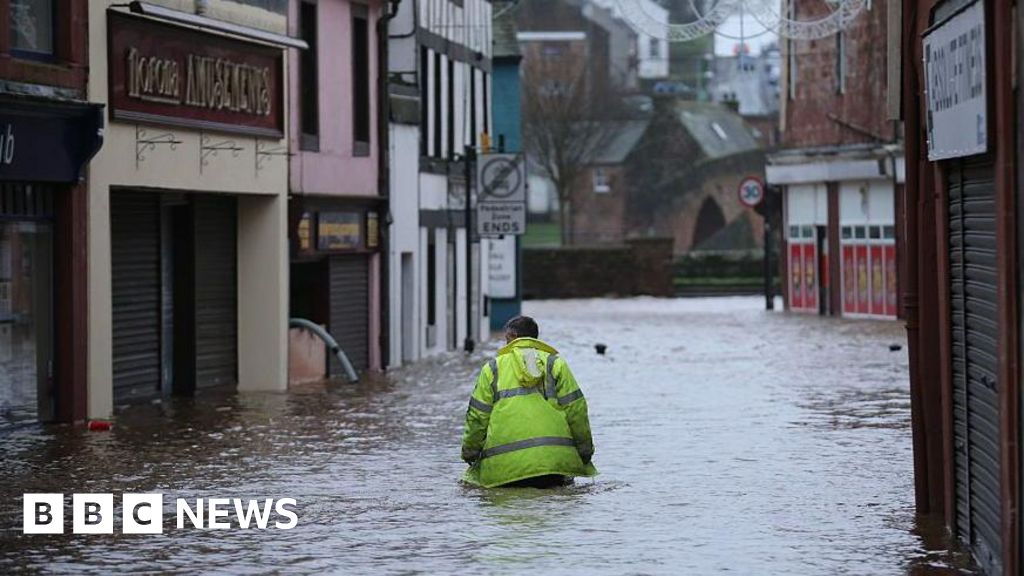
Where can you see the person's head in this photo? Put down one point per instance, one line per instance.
(521, 327)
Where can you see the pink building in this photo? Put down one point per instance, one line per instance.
(336, 212)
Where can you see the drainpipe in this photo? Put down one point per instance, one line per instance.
(384, 178)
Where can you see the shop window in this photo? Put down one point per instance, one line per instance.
(361, 80)
(807, 232)
(860, 232)
(309, 78)
(875, 232)
(889, 232)
(847, 232)
(32, 28)
(794, 232)
(602, 182)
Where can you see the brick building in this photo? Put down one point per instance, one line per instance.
(675, 175)
(840, 170)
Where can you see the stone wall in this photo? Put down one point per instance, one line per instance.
(640, 267)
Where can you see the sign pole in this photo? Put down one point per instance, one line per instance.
(769, 289)
(470, 158)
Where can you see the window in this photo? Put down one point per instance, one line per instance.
(486, 103)
(552, 50)
(424, 101)
(435, 126)
(472, 105)
(360, 80)
(309, 77)
(32, 28)
(431, 277)
(602, 181)
(451, 108)
(840, 62)
(791, 58)
(654, 47)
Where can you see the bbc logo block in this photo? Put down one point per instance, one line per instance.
(93, 514)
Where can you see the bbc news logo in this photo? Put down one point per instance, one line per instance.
(144, 513)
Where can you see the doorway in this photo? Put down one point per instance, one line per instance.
(408, 321)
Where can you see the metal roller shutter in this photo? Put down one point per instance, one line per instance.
(349, 279)
(135, 279)
(216, 304)
(975, 333)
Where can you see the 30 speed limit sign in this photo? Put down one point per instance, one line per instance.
(751, 191)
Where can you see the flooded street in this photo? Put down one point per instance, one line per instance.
(729, 440)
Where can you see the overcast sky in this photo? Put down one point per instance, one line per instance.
(724, 45)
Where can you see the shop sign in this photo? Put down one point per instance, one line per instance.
(501, 268)
(339, 231)
(165, 74)
(954, 61)
(372, 230)
(305, 232)
(47, 142)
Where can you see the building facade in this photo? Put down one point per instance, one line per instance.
(187, 212)
(336, 209)
(957, 66)
(48, 133)
(840, 170)
(440, 91)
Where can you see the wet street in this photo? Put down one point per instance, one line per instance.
(729, 440)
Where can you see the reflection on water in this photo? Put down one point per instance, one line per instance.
(729, 439)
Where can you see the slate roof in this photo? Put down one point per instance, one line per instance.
(503, 29)
(623, 137)
(719, 131)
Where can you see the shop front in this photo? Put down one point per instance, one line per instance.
(188, 212)
(335, 274)
(43, 147)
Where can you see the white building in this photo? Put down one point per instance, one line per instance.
(651, 51)
(440, 91)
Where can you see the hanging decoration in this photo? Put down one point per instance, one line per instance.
(767, 13)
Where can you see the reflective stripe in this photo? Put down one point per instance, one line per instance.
(521, 391)
(570, 397)
(549, 377)
(493, 363)
(528, 443)
(474, 403)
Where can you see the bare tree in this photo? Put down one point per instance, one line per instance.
(565, 120)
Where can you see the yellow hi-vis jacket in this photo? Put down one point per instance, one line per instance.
(527, 417)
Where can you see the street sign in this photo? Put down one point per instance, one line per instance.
(501, 203)
(501, 268)
(501, 218)
(502, 178)
(751, 191)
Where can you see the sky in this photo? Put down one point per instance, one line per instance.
(724, 44)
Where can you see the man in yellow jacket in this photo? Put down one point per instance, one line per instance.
(527, 422)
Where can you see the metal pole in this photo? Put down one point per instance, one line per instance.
(470, 158)
(769, 289)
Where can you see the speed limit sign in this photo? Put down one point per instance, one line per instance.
(751, 191)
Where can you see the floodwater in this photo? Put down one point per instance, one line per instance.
(729, 440)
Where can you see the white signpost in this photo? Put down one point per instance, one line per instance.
(501, 203)
(501, 267)
(954, 62)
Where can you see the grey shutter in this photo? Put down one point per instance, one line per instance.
(975, 333)
(216, 292)
(349, 279)
(135, 284)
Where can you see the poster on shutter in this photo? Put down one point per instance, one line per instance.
(849, 281)
(877, 282)
(863, 283)
(796, 295)
(890, 282)
(501, 267)
(810, 284)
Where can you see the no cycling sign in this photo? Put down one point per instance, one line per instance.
(501, 208)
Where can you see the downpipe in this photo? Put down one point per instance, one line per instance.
(350, 372)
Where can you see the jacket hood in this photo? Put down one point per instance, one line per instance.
(528, 362)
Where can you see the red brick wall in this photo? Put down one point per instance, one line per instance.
(807, 122)
(599, 218)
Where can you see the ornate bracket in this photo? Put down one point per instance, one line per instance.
(207, 148)
(266, 152)
(145, 143)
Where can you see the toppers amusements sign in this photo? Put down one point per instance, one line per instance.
(165, 74)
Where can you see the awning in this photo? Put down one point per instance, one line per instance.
(43, 140)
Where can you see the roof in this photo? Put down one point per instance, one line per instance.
(504, 43)
(717, 130)
(623, 138)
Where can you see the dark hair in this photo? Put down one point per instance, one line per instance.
(522, 327)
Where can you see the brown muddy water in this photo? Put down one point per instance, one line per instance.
(729, 439)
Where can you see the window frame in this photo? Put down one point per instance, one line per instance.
(361, 146)
(309, 63)
(55, 49)
(601, 180)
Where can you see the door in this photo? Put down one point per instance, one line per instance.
(349, 280)
(136, 290)
(408, 297)
(216, 292)
(975, 318)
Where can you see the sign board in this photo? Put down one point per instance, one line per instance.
(501, 201)
(751, 191)
(165, 74)
(339, 230)
(954, 61)
(501, 268)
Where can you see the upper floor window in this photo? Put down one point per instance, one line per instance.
(309, 78)
(654, 47)
(361, 79)
(602, 181)
(32, 28)
(840, 62)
